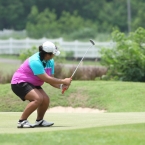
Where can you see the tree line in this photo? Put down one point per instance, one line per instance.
(76, 18)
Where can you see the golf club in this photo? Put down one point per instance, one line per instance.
(92, 42)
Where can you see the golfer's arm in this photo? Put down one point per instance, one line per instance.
(55, 85)
(51, 80)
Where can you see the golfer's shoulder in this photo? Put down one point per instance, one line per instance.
(34, 60)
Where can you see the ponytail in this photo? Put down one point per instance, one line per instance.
(40, 48)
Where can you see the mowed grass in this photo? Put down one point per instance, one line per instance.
(113, 135)
(122, 124)
(117, 98)
(76, 128)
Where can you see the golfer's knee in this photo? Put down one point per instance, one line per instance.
(46, 100)
(38, 100)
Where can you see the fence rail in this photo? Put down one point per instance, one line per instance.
(14, 46)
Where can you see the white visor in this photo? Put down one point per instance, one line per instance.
(50, 48)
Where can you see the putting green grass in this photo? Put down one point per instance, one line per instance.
(130, 134)
(69, 121)
(76, 129)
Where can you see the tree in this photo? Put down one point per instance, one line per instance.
(46, 24)
(10, 12)
(42, 24)
(138, 15)
(103, 15)
(126, 59)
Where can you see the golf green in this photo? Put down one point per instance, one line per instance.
(67, 121)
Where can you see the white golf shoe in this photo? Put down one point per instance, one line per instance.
(24, 124)
(42, 123)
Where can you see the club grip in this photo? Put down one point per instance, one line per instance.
(63, 90)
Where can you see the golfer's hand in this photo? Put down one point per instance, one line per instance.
(65, 87)
(67, 81)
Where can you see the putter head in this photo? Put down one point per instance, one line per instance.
(93, 43)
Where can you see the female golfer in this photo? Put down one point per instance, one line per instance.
(28, 79)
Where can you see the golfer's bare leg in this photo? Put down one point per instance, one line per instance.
(36, 99)
(41, 110)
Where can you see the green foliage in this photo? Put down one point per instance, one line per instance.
(54, 15)
(11, 14)
(46, 24)
(72, 22)
(69, 54)
(42, 24)
(73, 26)
(126, 59)
(139, 17)
(27, 53)
(83, 34)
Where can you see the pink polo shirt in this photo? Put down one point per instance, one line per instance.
(29, 70)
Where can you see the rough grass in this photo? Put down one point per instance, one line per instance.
(84, 72)
(108, 95)
(7, 70)
(103, 129)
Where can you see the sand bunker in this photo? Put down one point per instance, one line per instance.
(60, 109)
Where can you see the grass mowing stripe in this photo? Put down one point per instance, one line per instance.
(69, 121)
(112, 135)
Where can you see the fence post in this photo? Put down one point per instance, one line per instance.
(60, 41)
(13, 46)
(10, 46)
(75, 49)
(27, 43)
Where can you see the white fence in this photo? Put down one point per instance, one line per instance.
(14, 46)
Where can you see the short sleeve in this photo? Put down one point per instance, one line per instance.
(36, 67)
(52, 67)
(50, 64)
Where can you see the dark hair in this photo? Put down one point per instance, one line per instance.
(42, 54)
